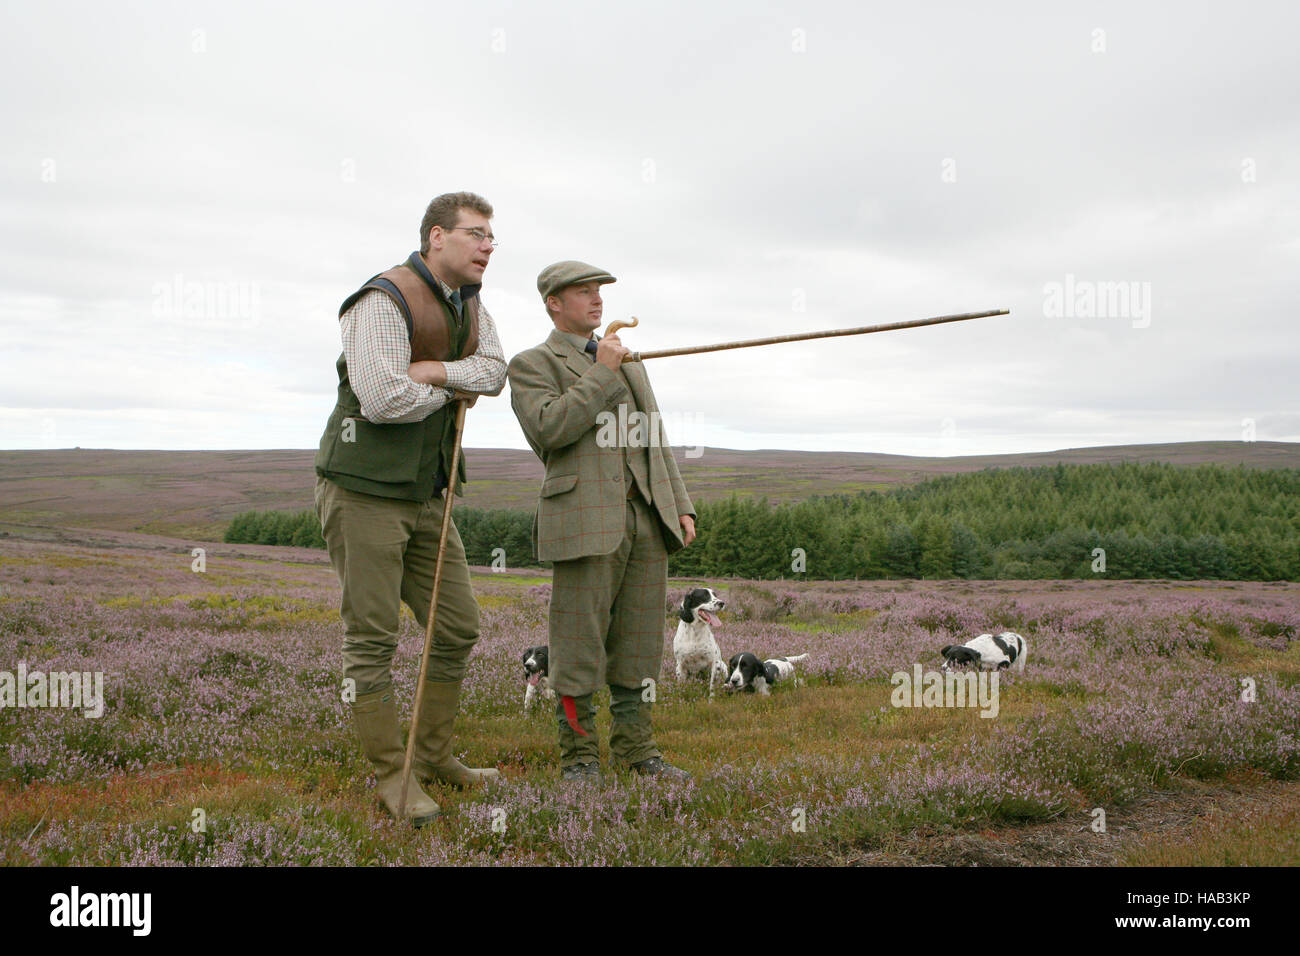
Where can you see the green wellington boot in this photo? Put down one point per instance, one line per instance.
(375, 717)
(433, 757)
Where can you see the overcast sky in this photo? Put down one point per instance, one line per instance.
(1124, 179)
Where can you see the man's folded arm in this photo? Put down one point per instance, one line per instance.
(483, 372)
(377, 348)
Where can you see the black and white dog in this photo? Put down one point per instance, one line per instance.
(994, 651)
(537, 673)
(753, 676)
(694, 648)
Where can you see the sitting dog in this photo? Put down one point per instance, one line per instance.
(753, 676)
(694, 647)
(995, 651)
(537, 673)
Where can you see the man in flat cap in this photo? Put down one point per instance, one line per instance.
(609, 514)
(416, 339)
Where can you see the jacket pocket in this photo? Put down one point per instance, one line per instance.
(558, 485)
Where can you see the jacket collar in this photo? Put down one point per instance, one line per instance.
(577, 360)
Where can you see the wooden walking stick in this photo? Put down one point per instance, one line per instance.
(449, 497)
(796, 337)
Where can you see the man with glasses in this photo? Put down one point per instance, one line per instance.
(612, 508)
(416, 340)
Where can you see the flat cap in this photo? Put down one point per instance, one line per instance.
(569, 272)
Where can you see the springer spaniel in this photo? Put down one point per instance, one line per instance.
(694, 647)
(753, 676)
(995, 651)
(537, 673)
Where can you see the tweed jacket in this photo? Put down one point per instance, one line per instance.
(557, 393)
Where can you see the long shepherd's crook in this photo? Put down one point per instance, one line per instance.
(797, 336)
(449, 499)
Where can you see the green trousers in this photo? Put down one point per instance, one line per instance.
(631, 736)
(607, 627)
(384, 551)
(607, 611)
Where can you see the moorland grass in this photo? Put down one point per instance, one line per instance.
(223, 697)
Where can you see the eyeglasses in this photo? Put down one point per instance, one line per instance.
(479, 235)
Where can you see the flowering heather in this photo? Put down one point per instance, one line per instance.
(222, 692)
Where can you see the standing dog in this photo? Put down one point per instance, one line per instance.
(753, 676)
(537, 673)
(995, 651)
(694, 647)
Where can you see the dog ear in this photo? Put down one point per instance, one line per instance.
(944, 651)
(690, 602)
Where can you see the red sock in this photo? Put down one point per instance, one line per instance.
(571, 714)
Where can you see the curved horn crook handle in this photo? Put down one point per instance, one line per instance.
(618, 324)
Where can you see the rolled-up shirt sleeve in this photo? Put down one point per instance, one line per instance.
(377, 348)
(484, 371)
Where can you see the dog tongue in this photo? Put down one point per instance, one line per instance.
(534, 678)
(710, 619)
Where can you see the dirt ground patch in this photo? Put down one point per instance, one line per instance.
(1164, 817)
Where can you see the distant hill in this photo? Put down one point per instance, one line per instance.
(193, 494)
